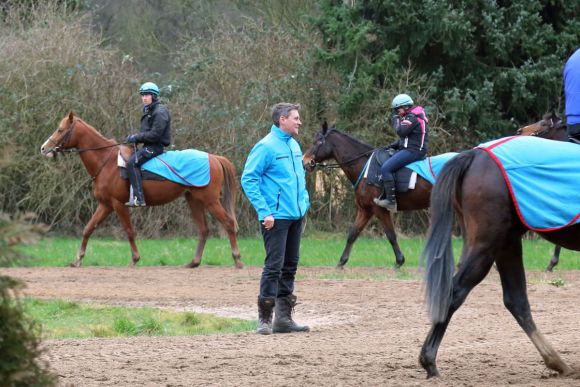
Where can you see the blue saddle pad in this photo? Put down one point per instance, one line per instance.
(188, 167)
(543, 177)
(430, 167)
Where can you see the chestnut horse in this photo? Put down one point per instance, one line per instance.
(472, 186)
(351, 156)
(99, 156)
(550, 127)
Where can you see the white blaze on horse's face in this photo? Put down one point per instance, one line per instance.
(47, 148)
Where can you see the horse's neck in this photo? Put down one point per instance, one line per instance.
(352, 157)
(96, 148)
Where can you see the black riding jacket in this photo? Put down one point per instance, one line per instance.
(412, 129)
(155, 126)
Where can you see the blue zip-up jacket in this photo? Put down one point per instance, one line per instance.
(274, 179)
(572, 88)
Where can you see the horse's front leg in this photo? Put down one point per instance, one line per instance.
(125, 218)
(98, 217)
(362, 219)
(389, 229)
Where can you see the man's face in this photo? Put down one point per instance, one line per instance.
(291, 124)
(147, 99)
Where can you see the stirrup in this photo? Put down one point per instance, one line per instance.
(386, 203)
(134, 202)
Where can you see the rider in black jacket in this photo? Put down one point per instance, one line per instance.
(155, 135)
(410, 123)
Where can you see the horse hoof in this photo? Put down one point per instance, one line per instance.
(339, 267)
(239, 265)
(192, 265)
(74, 264)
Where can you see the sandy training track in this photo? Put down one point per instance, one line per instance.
(364, 332)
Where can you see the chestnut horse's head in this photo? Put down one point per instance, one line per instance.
(61, 138)
(320, 150)
(549, 127)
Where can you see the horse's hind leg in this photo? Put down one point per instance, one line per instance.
(199, 218)
(125, 219)
(515, 298)
(389, 229)
(476, 264)
(99, 215)
(362, 218)
(229, 224)
(555, 259)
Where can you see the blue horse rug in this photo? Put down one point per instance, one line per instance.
(188, 167)
(430, 167)
(543, 177)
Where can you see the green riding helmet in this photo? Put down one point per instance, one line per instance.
(149, 88)
(401, 100)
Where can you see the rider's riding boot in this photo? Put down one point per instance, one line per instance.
(388, 200)
(136, 197)
(265, 310)
(283, 322)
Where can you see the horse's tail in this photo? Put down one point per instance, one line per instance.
(230, 188)
(438, 252)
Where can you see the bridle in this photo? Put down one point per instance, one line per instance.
(59, 148)
(313, 164)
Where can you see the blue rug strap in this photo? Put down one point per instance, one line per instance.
(362, 172)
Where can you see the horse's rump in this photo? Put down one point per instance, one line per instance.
(542, 177)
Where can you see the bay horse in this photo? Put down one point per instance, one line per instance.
(472, 186)
(550, 127)
(99, 156)
(351, 155)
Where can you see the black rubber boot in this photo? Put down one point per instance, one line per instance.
(283, 322)
(265, 309)
(388, 200)
(136, 196)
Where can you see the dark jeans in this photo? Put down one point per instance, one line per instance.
(398, 161)
(282, 245)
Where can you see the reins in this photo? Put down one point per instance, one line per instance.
(59, 149)
(336, 165)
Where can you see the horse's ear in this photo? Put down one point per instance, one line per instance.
(71, 117)
(324, 127)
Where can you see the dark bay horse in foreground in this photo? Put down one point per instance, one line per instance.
(99, 156)
(472, 186)
(351, 156)
(550, 127)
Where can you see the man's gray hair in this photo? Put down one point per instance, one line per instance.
(283, 109)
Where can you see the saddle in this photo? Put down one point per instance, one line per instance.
(124, 153)
(405, 178)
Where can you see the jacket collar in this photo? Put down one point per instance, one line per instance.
(280, 133)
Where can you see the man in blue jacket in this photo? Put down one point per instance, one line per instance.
(274, 182)
(572, 96)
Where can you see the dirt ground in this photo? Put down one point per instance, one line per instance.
(363, 332)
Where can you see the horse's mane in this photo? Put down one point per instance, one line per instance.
(351, 138)
(90, 127)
